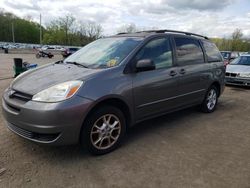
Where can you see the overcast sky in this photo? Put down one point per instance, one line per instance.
(214, 18)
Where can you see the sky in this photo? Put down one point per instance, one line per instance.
(213, 18)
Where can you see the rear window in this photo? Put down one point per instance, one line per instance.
(188, 51)
(212, 52)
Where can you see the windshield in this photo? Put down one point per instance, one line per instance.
(242, 60)
(104, 53)
(225, 55)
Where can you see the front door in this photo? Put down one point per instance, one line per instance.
(155, 91)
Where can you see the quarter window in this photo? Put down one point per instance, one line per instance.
(159, 51)
(188, 51)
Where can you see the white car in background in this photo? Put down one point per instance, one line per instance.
(238, 71)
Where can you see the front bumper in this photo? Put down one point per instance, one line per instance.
(237, 81)
(46, 123)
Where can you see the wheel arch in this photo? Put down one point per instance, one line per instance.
(112, 101)
(218, 86)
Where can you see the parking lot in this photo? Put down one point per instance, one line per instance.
(183, 149)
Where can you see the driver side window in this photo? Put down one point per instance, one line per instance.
(159, 51)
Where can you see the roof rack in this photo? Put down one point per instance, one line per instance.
(173, 31)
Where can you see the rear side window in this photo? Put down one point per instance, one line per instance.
(188, 51)
(212, 52)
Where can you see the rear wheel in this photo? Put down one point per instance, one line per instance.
(103, 130)
(210, 102)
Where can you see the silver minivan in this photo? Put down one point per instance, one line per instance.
(96, 94)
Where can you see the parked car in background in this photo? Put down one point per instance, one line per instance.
(238, 71)
(229, 56)
(47, 48)
(68, 51)
(10, 46)
(96, 94)
(242, 53)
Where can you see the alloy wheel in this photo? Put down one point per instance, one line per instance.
(211, 99)
(105, 131)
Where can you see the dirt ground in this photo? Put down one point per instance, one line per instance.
(183, 149)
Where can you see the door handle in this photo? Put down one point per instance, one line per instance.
(182, 71)
(172, 73)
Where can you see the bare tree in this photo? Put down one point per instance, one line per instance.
(128, 28)
(93, 30)
(89, 31)
(237, 34)
(236, 39)
(132, 28)
(66, 23)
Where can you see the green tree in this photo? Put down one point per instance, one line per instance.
(24, 30)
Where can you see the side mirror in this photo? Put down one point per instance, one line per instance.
(145, 65)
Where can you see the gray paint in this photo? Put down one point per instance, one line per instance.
(146, 94)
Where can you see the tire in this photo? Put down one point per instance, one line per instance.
(101, 136)
(211, 99)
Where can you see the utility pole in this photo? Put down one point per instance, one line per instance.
(13, 33)
(40, 29)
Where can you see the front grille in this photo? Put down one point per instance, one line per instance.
(33, 135)
(20, 95)
(231, 74)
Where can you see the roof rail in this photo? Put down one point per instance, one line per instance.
(173, 31)
(121, 33)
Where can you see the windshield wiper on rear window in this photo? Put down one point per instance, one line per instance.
(78, 64)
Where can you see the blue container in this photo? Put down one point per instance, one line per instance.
(31, 66)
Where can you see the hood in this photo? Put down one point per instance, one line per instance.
(238, 68)
(34, 81)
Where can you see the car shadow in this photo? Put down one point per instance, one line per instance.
(135, 133)
(166, 122)
(76, 152)
(238, 88)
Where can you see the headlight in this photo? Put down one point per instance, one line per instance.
(245, 75)
(58, 92)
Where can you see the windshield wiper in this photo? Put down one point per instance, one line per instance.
(78, 64)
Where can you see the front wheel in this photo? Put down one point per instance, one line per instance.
(210, 102)
(103, 130)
